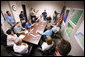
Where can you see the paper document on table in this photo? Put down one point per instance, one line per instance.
(21, 36)
(26, 32)
(39, 31)
(33, 35)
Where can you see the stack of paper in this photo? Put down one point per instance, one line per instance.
(33, 35)
(39, 31)
(21, 36)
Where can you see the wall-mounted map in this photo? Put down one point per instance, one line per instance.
(69, 29)
(80, 35)
(76, 15)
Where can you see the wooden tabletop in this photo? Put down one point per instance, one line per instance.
(33, 36)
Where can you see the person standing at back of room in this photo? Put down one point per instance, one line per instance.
(55, 18)
(22, 17)
(44, 14)
(33, 13)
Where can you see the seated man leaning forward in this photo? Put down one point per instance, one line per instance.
(18, 29)
(49, 32)
(28, 24)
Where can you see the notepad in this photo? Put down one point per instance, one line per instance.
(33, 35)
(39, 31)
(21, 36)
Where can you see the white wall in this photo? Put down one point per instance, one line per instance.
(19, 8)
(50, 6)
(7, 6)
(75, 4)
(76, 49)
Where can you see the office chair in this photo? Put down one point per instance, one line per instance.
(23, 24)
(4, 43)
(4, 40)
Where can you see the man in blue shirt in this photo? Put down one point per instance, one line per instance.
(49, 32)
(18, 29)
(22, 17)
(28, 24)
(33, 20)
(10, 19)
(44, 14)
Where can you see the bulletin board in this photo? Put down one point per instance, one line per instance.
(69, 29)
(76, 16)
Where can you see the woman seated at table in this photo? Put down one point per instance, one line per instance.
(11, 37)
(20, 47)
(18, 29)
(28, 24)
(46, 45)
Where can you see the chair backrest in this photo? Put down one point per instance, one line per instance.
(4, 39)
(30, 49)
(18, 54)
(23, 24)
(53, 47)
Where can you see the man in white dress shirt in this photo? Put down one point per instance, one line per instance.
(20, 47)
(47, 45)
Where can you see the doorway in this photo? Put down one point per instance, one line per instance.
(24, 9)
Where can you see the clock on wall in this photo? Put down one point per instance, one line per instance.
(14, 7)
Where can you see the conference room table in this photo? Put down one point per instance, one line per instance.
(32, 36)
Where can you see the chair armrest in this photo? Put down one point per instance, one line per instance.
(30, 49)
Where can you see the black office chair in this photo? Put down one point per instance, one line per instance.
(50, 51)
(57, 35)
(23, 24)
(18, 54)
(4, 43)
(4, 40)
